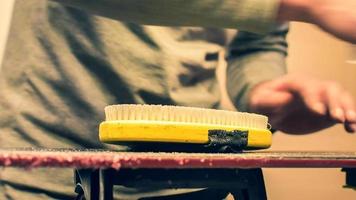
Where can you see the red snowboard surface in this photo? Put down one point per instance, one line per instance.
(31, 158)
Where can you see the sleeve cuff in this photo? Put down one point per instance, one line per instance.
(253, 70)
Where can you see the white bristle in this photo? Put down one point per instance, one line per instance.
(184, 114)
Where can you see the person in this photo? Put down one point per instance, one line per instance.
(62, 66)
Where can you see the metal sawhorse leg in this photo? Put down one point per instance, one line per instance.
(243, 184)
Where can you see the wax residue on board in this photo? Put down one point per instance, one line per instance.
(94, 159)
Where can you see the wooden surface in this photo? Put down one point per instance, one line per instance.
(30, 158)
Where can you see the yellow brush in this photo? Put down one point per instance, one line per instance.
(177, 124)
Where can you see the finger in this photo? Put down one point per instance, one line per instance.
(350, 113)
(348, 105)
(313, 99)
(271, 101)
(334, 96)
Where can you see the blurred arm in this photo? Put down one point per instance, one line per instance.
(258, 16)
(251, 15)
(333, 16)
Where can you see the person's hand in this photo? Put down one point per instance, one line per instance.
(337, 17)
(296, 104)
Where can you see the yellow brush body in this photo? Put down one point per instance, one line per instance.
(175, 124)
